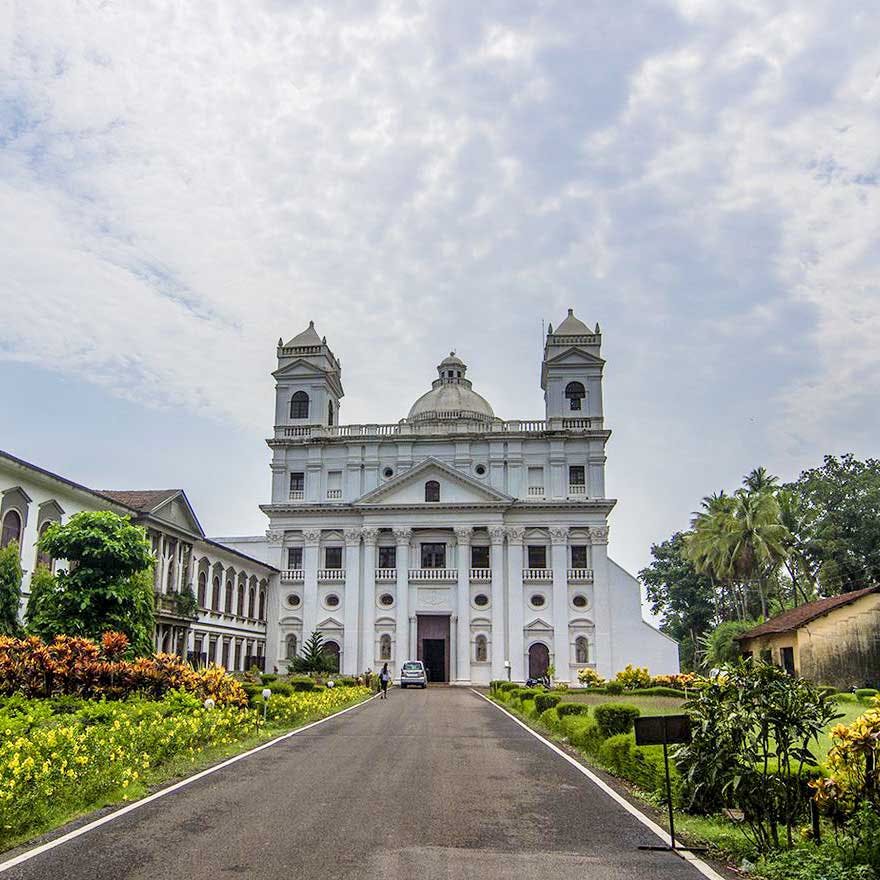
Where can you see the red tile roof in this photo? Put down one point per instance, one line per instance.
(797, 617)
(144, 500)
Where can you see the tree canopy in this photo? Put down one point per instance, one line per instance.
(107, 585)
(10, 588)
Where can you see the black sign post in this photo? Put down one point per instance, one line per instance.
(664, 730)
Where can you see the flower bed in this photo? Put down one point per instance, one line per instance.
(64, 755)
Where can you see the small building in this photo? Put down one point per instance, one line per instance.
(834, 641)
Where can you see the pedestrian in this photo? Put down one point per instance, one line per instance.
(384, 678)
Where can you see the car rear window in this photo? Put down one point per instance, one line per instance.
(411, 666)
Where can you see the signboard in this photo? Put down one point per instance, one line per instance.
(658, 730)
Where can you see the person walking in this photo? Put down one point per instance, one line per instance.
(384, 678)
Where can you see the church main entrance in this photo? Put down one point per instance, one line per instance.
(539, 660)
(433, 645)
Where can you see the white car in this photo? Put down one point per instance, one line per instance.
(413, 673)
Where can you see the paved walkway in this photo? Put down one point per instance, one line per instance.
(428, 784)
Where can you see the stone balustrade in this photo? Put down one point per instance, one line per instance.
(537, 574)
(481, 575)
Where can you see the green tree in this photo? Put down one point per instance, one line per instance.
(10, 588)
(683, 597)
(841, 505)
(42, 584)
(719, 647)
(313, 657)
(108, 585)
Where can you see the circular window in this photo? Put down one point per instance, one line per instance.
(386, 599)
(481, 600)
(537, 600)
(579, 601)
(388, 472)
(293, 600)
(480, 469)
(332, 600)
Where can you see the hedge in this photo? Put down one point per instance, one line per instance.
(615, 718)
(865, 694)
(543, 702)
(641, 765)
(582, 732)
(564, 709)
(550, 719)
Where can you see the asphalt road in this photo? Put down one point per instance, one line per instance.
(428, 784)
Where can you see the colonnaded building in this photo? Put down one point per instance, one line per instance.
(475, 544)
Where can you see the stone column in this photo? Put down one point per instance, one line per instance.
(602, 614)
(559, 557)
(463, 605)
(499, 640)
(368, 615)
(403, 535)
(275, 651)
(516, 647)
(311, 562)
(352, 601)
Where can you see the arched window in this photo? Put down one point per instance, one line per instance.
(228, 605)
(44, 558)
(252, 599)
(432, 491)
(262, 604)
(331, 652)
(239, 601)
(480, 649)
(215, 597)
(581, 650)
(330, 412)
(203, 589)
(299, 405)
(291, 646)
(575, 393)
(385, 647)
(11, 528)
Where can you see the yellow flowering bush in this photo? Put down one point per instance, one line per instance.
(589, 677)
(300, 708)
(634, 677)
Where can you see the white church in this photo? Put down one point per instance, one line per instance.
(476, 544)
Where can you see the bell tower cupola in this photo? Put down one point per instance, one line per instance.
(571, 372)
(308, 381)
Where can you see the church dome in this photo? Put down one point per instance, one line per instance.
(572, 326)
(451, 397)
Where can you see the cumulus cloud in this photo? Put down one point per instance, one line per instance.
(184, 183)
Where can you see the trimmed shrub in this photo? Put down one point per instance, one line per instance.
(659, 691)
(527, 693)
(641, 765)
(505, 687)
(615, 718)
(863, 695)
(300, 685)
(844, 698)
(563, 709)
(543, 702)
(280, 688)
(589, 677)
(528, 708)
(268, 677)
(582, 732)
(827, 689)
(634, 677)
(346, 681)
(614, 688)
(550, 719)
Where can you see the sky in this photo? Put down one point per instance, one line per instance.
(183, 184)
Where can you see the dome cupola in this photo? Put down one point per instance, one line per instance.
(451, 397)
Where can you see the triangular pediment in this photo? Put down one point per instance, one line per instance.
(298, 368)
(455, 488)
(539, 625)
(329, 623)
(574, 356)
(177, 511)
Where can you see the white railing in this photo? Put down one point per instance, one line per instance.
(293, 574)
(577, 490)
(453, 422)
(580, 575)
(331, 574)
(535, 491)
(386, 574)
(481, 574)
(537, 574)
(297, 494)
(334, 494)
(433, 574)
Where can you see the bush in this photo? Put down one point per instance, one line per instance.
(528, 709)
(268, 677)
(548, 718)
(582, 732)
(864, 695)
(303, 685)
(828, 689)
(614, 688)
(844, 698)
(634, 677)
(543, 702)
(280, 688)
(589, 677)
(809, 864)
(641, 765)
(660, 692)
(506, 686)
(525, 693)
(563, 709)
(615, 718)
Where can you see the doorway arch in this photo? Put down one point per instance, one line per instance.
(539, 659)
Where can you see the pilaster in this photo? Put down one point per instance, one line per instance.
(274, 648)
(368, 641)
(559, 556)
(463, 605)
(311, 541)
(352, 601)
(499, 641)
(402, 536)
(515, 592)
(602, 601)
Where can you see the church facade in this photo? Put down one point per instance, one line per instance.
(476, 544)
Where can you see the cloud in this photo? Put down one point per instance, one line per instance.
(184, 184)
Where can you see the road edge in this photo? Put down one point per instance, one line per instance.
(706, 870)
(163, 792)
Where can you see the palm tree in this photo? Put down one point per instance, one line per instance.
(760, 480)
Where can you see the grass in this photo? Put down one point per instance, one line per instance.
(647, 705)
(176, 768)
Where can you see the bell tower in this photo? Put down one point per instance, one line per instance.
(571, 372)
(308, 381)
